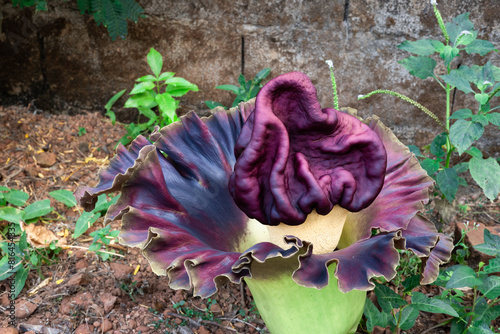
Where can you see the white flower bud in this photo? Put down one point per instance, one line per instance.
(329, 63)
(433, 2)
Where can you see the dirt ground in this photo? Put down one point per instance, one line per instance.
(79, 293)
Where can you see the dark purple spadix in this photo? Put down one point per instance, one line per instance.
(293, 156)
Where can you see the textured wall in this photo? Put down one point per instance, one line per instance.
(61, 58)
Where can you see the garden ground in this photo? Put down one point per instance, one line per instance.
(79, 292)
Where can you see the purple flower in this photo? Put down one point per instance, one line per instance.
(274, 188)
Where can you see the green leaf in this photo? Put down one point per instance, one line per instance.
(423, 47)
(408, 317)
(493, 266)
(488, 249)
(261, 75)
(132, 9)
(494, 118)
(5, 268)
(149, 77)
(481, 98)
(458, 79)
(422, 67)
(461, 167)
(20, 280)
(411, 282)
(11, 214)
(422, 303)
(23, 242)
(155, 61)
(388, 299)
(448, 54)
(180, 83)
(37, 209)
(34, 259)
(480, 329)
(459, 24)
(491, 238)
(481, 119)
(142, 87)
(114, 18)
(16, 197)
(373, 316)
(166, 103)
(431, 166)
(83, 223)
(148, 113)
(231, 88)
(146, 99)
(475, 152)
(112, 100)
(491, 287)
(212, 105)
(480, 46)
(437, 144)
(447, 180)
(64, 196)
(103, 204)
(166, 75)
(415, 150)
(486, 173)
(461, 114)
(463, 133)
(463, 276)
(112, 116)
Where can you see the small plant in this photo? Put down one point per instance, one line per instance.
(20, 256)
(483, 82)
(152, 92)
(246, 91)
(465, 316)
(81, 131)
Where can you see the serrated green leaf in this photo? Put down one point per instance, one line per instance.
(448, 53)
(486, 173)
(431, 166)
(494, 118)
(20, 280)
(423, 47)
(480, 46)
(155, 61)
(463, 276)
(437, 144)
(86, 220)
(491, 287)
(481, 98)
(447, 180)
(372, 314)
(459, 80)
(421, 67)
(481, 119)
(388, 299)
(16, 197)
(37, 209)
(64, 196)
(463, 133)
(11, 214)
(461, 114)
(458, 24)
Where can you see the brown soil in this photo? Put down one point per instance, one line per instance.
(79, 293)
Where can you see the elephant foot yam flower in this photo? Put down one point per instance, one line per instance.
(304, 204)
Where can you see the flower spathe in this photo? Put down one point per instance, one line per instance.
(176, 205)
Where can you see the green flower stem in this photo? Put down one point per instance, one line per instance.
(334, 85)
(493, 94)
(287, 307)
(407, 99)
(449, 149)
(441, 23)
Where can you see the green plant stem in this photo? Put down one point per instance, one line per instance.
(449, 148)
(334, 87)
(473, 307)
(493, 94)
(407, 99)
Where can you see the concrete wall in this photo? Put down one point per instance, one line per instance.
(61, 60)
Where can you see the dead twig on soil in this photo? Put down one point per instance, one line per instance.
(198, 324)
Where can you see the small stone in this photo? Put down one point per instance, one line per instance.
(46, 159)
(108, 300)
(83, 329)
(132, 324)
(120, 270)
(24, 308)
(4, 300)
(79, 279)
(9, 330)
(215, 308)
(203, 330)
(106, 325)
(81, 264)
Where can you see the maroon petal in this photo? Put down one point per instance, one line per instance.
(294, 157)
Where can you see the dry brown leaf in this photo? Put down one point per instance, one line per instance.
(39, 236)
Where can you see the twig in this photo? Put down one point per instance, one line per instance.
(239, 320)
(79, 247)
(428, 330)
(193, 322)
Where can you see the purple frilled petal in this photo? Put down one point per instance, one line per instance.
(394, 213)
(294, 157)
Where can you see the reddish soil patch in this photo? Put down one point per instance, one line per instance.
(79, 293)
